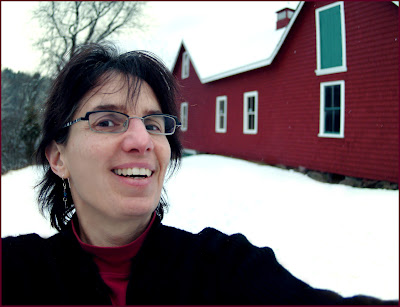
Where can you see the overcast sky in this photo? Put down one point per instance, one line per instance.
(169, 23)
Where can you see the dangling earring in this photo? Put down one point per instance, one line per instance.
(65, 193)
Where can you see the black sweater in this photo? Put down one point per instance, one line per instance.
(173, 267)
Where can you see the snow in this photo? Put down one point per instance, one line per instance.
(331, 236)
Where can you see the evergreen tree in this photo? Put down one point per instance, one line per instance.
(21, 98)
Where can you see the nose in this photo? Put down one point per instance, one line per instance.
(136, 138)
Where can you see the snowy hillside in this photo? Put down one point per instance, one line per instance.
(331, 236)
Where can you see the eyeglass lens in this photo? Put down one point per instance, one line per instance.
(110, 122)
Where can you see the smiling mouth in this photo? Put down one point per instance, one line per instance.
(133, 172)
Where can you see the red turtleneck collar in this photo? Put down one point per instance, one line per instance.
(114, 263)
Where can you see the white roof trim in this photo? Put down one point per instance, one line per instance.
(247, 67)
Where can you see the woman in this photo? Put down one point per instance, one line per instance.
(109, 138)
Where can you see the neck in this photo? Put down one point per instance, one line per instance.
(111, 233)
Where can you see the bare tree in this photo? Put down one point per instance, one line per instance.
(67, 24)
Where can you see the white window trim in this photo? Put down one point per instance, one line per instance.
(319, 71)
(224, 100)
(185, 65)
(246, 115)
(184, 117)
(322, 110)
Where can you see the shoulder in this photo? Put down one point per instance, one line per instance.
(210, 237)
(212, 246)
(27, 241)
(11, 245)
(225, 268)
(56, 264)
(32, 250)
(24, 256)
(21, 239)
(25, 247)
(241, 273)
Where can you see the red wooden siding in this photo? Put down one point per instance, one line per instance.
(289, 100)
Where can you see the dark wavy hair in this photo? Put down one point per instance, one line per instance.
(92, 66)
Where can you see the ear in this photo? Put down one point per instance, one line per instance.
(54, 154)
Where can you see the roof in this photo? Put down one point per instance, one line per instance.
(218, 56)
(284, 9)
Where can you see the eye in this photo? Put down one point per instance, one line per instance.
(153, 127)
(154, 124)
(107, 122)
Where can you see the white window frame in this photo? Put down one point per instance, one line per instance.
(185, 65)
(322, 132)
(218, 115)
(246, 114)
(184, 115)
(332, 70)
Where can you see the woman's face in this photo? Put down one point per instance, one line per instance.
(92, 159)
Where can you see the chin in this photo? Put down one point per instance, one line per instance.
(137, 209)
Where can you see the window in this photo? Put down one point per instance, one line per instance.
(281, 15)
(250, 112)
(185, 65)
(285, 13)
(221, 114)
(184, 115)
(331, 39)
(332, 109)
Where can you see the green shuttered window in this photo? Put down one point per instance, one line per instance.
(331, 38)
(331, 42)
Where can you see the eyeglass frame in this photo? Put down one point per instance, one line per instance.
(128, 118)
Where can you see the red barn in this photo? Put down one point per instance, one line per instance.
(326, 99)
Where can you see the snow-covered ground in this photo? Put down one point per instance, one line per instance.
(331, 236)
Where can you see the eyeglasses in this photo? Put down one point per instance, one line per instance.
(117, 122)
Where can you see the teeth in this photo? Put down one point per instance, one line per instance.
(133, 172)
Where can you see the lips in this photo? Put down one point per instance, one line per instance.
(134, 172)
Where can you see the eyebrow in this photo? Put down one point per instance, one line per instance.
(154, 112)
(109, 107)
(118, 108)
